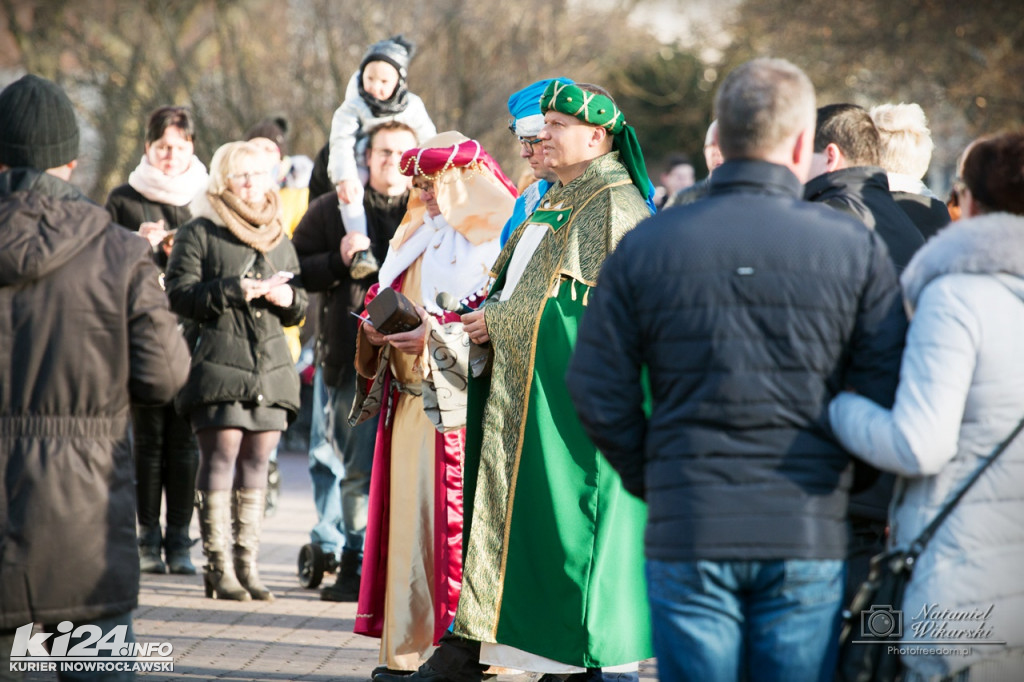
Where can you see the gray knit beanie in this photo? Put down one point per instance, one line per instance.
(37, 125)
(396, 51)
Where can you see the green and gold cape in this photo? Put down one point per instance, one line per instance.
(553, 543)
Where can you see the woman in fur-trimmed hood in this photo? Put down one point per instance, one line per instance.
(961, 394)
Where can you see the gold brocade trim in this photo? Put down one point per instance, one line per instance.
(517, 456)
(568, 275)
(557, 277)
(576, 254)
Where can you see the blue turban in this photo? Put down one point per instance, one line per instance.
(524, 106)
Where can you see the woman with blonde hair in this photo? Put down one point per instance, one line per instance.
(906, 153)
(231, 272)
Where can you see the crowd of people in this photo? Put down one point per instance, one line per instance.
(559, 427)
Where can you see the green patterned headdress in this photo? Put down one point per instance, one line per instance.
(599, 110)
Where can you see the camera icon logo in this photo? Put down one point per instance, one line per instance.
(881, 622)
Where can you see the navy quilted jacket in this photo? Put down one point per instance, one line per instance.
(749, 309)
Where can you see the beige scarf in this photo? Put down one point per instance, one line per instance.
(260, 229)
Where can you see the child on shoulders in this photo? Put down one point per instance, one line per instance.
(376, 93)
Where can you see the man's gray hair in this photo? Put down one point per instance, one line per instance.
(762, 103)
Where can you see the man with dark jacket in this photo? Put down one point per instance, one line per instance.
(325, 252)
(846, 175)
(85, 331)
(748, 311)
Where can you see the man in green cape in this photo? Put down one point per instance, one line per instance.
(553, 577)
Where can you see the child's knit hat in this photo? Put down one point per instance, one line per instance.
(396, 51)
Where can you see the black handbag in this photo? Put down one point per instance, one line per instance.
(874, 620)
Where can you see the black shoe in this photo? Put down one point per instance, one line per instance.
(150, 544)
(384, 670)
(598, 675)
(340, 592)
(178, 551)
(424, 673)
(346, 586)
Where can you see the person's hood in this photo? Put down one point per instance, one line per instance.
(352, 88)
(988, 244)
(44, 223)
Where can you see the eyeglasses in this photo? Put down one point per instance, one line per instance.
(386, 153)
(527, 143)
(246, 178)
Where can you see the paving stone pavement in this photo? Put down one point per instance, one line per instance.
(296, 637)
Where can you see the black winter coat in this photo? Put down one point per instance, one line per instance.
(240, 352)
(129, 208)
(317, 241)
(84, 330)
(928, 213)
(863, 192)
(750, 310)
(319, 182)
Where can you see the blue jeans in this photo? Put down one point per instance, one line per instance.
(727, 621)
(341, 484)
(326, 472)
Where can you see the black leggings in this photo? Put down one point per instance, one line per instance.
(165, 460)
(234, 458)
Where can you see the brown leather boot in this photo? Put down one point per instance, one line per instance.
(247, 519)
(214, 520)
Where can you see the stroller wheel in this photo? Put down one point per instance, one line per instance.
(312, 565)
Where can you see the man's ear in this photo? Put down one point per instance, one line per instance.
(63, 172)
(834, 157)
(598, 136)
(803, 147)
(801, 154)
